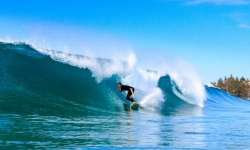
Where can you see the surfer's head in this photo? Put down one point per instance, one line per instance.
(119, 84)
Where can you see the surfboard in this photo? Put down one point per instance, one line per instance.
(134, 106)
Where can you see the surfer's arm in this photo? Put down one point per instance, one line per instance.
(132, 91)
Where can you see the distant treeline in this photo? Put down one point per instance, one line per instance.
(235, 86)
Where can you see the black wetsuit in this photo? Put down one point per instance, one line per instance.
(127, 88)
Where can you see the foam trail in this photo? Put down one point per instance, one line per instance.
(153, 100)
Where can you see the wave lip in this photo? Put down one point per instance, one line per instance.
(100, 68)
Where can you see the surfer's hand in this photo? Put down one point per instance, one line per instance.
(133, 95)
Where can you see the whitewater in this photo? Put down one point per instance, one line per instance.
(51, 99)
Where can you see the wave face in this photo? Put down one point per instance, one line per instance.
(32, 82)
(46, 82)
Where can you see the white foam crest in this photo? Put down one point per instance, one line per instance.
(181, 72)
(100, 68)
(153, 100)
(142, 79)
(145, 83)
(188, 81)
(10, 41)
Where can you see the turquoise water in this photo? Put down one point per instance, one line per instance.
(136, 130)
(47, 104)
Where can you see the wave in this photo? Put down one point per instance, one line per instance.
(41, 81)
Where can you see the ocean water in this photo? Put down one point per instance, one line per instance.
(54, 100)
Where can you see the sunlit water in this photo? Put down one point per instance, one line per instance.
(200, 129)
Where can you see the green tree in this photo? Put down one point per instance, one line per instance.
(242, 79)
(235, 86)
(243, 89)
(225, 82)
(220, 84)
(230, 85)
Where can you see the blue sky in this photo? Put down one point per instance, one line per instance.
(213, 35)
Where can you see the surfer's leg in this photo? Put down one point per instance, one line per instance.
(129, 97)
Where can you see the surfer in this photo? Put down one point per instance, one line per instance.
(127, 88)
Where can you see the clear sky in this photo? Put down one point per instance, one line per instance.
(213, 35)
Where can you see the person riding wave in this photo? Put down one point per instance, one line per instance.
(130, 90)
